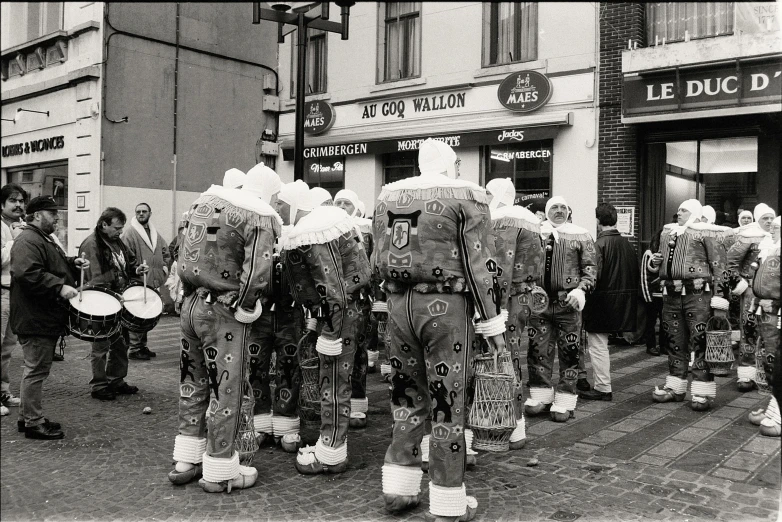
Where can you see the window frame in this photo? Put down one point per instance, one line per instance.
(650, 25)
(312, 34)
(486, 36)
(43, 22)
(382, 42)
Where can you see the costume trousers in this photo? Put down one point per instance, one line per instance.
(360, 362)
(519, 315)
(684, 322)
(212, 359)
(749, 329)
(430, 334)
(558, 326)
(768, 343)
(276, 331)
(7, 340)
(335, 380)
(109, 360)
(38, 355)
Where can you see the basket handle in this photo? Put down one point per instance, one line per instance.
(723, 320)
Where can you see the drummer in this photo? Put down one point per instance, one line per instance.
(42, 277)
(112, 266)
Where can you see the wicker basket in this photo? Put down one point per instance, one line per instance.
(492, 416)
(719, 351)
(764, 387)
(309, 392)
(246, 440)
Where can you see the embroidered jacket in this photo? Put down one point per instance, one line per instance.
(765, 284)
(326, 265)
(228, 247)
(697, 254)
(571, 260)
(744, 252)
(517, 249)
(432, 233)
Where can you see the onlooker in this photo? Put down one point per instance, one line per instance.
(612, 305)
(146, 244)
(113, 267)
(42, 275)
(653, 298)
(13, 199)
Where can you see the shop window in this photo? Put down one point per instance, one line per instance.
(399, 41)
(528, 165)
(30, 20)
(722, 173)
(315, 75)
(400, 165)
(510, 32)
(676, 21)
(327, 172)
(47, 180)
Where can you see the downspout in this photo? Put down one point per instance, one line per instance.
(596, 88)
(176, 107)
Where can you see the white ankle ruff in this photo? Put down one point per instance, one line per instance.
(564, 402)
(704, 389)
(218, 470)
(263, 423)
(425, 448)
(330, 456)
(359, 405)
(519, 432)
(447, 502)
(749, 373)
(772, 411)
(284, 425)
(676, 384)
(401, 480)
(189, 449)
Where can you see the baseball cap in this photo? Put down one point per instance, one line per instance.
(42, 203)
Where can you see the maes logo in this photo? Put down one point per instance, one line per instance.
(524, 91)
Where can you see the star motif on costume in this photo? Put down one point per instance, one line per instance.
(228, 357)
(455, 447)
(437, 271)
(356, 279)
(457, 430)
(196, 270)
(394, 274)
(183, 267)
(415, 451)
(267, 255)
(326, 270)
(457, 347)
(415, 419)
(227, 412)
(411, 361)
(202, 380)
(457, 368)
(226, 274)
(405, 274)
(405, 347)
(692, 269)
(569, 279)
(477, 246)
(193, 420)
(347, 342)
(345, 365)
(454, 252)
(512, 328)
(229, 336)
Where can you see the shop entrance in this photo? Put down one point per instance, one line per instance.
(50, 179)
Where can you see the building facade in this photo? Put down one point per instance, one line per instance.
(690, 105)
(135, 103)
(510, 86)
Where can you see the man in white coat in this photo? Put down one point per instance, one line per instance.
(144, 241)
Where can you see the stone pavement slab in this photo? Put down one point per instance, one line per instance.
(625, 460)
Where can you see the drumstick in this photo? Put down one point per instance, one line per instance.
(144, 262)
(83, 256)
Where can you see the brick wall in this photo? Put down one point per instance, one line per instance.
(617, 163)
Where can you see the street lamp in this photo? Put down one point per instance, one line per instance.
(302, 15)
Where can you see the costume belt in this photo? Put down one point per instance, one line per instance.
(521, 288)
(452, 286)
(686, 286)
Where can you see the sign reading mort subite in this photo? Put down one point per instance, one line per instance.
(524, 91)
(319, 116)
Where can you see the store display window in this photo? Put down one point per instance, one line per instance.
(528, 165)
(327, 172)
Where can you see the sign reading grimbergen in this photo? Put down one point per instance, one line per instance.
(524, 91)
(319, 116)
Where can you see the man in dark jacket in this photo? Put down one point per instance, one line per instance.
(42, 277)
(113, 266)
(612, 305)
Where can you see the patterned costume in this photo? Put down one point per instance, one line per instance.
(741, 256)
(226, 268)
(693, 272)
(765, 286)
(432, 238)
(328, 268)
(569, 270)
(518, 251)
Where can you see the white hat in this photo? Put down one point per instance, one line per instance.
(435, 157)
(320, 195)
(234, 178)
(297, 195)
(746, 213)
(350, 196)
(556, 199)
(695, 208)
(709, 213)
(362, 209)
(503, 191)
(262, 182)
(761, 210)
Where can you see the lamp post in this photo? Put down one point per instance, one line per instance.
(303, 15)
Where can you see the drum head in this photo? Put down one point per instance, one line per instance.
(96, 303)
(134, 302)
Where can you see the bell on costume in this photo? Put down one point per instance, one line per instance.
(672, 243)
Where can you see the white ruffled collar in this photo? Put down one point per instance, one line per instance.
(430, 181)
(515, 211)
(243, 200)
(547, 227)
(320, 226)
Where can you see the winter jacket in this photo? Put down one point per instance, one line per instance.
(432, 233)
(570, 261)
(324, 243)
(105, 270)
(39, 269)
(612, 306)
(152, 250)
(228, 247)
(697, 258)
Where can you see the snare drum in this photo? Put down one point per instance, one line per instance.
(138, 316)
(97, 316)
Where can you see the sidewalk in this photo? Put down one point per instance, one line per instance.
(629, 459)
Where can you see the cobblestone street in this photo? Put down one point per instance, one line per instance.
(629, 459)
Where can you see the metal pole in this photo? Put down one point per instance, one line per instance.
(298, 165)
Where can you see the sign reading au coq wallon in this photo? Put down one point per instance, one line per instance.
(319, 116)
(524, 91)
(726, 86)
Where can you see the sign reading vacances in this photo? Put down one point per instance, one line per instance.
(727, 86)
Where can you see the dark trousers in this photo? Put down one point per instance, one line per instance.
(654, 311)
